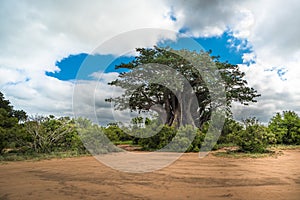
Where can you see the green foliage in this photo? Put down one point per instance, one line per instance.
(94, 138)
(197, 142)
(183, 139)
(36, 135)
(141, 93)
(236, 154)
(48, 134)
(19, 156)
(115, 133)
(5, 104)
(286, 127)
(168, 138)
(231, 127)
(163, 136)
(254, 137)
(11, 129)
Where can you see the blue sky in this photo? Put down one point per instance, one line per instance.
(70, 65)
(219, 45)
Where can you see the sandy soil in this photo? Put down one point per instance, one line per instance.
(187, 178)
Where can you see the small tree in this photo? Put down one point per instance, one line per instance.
(163, 136)
(231, 127)
(11, 130)
(50, 134)
(286, 127)
(254, 137)
(94, 138)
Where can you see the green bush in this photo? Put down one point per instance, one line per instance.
(116, 134)
(185, 139)
(162, 135)
(49, 134)
(197, 142)
(254, 137)
(93, 138)
(231, 127)
(286, 127)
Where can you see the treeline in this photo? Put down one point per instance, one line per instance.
(21, 134)
(249, 135)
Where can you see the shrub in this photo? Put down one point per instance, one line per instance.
(254, 137)
(197, 142)
(231, 127)
(163, 136)
(286, 127)
(93, 138)
(185, 139)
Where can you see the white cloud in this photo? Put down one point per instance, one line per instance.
(104, 77)
(272, 31)
(43, 95)
(89, 100)
(276, 27)
(279, 93)
(274, 37)
(35, 34)
(210, 18)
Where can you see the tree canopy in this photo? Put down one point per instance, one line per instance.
(9, 119)
(193, 102)
(286, 127)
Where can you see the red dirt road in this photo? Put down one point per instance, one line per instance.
(187, 178)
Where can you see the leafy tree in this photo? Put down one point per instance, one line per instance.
(94, 138)
(177, 108)
(230, 128)
(50, 134)
(10, 129)
(20, 115)
(5, 104)
(254, 137)
(11, 112)
(7, 127)
(163, 136)
(115, 133)
(286, 127)
(183, 140)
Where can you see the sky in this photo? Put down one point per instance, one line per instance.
(45, 43)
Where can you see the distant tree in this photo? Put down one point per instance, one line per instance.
(116, 134)
(230, 128)
(11, 112)
(94, 138)
(5, 104)
(254, 137)
(286, 127)
(10, 130)
(20, 115)
(50, 134)
(182, 111)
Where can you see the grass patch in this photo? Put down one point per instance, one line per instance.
(39, 156)
(222, 145)
(284, 147)
(272, 151)
(237, 154)
(128, 142)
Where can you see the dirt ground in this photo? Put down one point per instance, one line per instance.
(187, 178)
